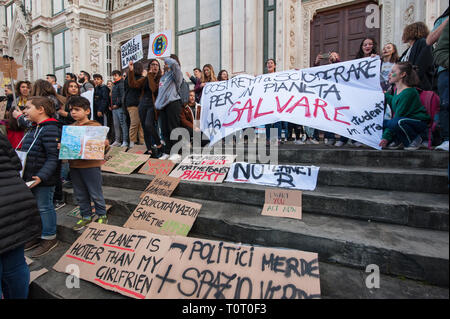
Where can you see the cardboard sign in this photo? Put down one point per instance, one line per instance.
(114, 150)
(156, 167)
(160, 45)
(343, 98)
(162, 186)
(132, 51)
(283, 176)
(204, 169)
(281, 203)
(83, 142)
(115, 258)
(204, 269)
(124, 163)
(9, 67)
(76, 212)
(164, 215)
(2, 109)
(138, 149)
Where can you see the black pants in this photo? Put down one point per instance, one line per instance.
(170, 120)
(147, 117)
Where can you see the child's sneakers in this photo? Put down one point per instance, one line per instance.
(82, 223)
(102, 220)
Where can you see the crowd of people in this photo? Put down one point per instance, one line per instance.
(144, 105)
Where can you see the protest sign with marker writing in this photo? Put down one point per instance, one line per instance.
(283, 203)
(283, 176)
(83, 142)
(132, 51)
(203, 269)
(162, 186)
(124, 163)
(117, 259)
(156, 167)
(344, 98)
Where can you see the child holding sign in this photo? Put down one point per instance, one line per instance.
(86, 174)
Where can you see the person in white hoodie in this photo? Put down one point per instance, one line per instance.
(169, 104)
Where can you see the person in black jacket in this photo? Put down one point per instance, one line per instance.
(42, 166)
(419, 53)
(118, 110)
(19, 223)
(132, 100)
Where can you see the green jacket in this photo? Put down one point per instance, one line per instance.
(441, 52)
(405, 105)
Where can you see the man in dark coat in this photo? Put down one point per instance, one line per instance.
(19, 223)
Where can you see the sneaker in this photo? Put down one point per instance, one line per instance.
(424, 145)
(102, 220)
(415, 145)
(443, 147)
(339, 144)
(125, 145)
(116, 144)
(59, 204)
(329, 142)
(32, 244)
(175, 158)
(299, 142)
(358, 144)
(164, 157)
(304, 138)
(132, 144)
(82, 223)
(67, 184)
(395, 146)
(44, 248)
(312, 141)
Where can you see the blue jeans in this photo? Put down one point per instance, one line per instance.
(120, 125)
(405, 130)
(14, 274)
(44, 197)
(87, 187)
(443, 95)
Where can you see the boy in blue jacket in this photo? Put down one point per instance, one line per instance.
(41, 166)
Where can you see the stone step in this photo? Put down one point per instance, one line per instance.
(420, 210)
(337, 282)
(365, 157)
(417, 254)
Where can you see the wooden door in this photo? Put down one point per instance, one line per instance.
(342, 30)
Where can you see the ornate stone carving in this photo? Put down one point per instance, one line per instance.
(94, 53)
(409, 15)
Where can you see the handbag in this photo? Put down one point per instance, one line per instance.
(23, 155)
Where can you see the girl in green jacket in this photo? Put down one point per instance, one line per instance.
(410, 118)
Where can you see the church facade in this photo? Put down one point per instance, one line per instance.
(60, 36)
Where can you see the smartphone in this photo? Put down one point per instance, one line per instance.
(30, 183)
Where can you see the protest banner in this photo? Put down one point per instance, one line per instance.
(89, 95)
(343, 98)
(203, 269)
(124, 163)
(76, 212)
(283, 176)
(2, 109)
(155, 167)
(160, 45)
(204, 168)
(118, 259)
(138, 149)
(132, 51)
(283, 203)
(162, 186)
(164, 215)
(83, 142)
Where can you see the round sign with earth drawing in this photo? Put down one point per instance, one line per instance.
(160, 44)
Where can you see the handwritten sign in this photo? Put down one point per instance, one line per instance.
(124, 163)
(117, 259)
(283, 176)
(9, 67)
(83, 142)
(138, 149)
(204, 169)
(132, 51)
(155, 167)
(344, 98)
(203, 269)
(283, 203)
(114, 150)
(162, 186)
(164, 215)
(160, 45)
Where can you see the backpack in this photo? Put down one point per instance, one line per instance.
(184, 92)
(432, 103)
